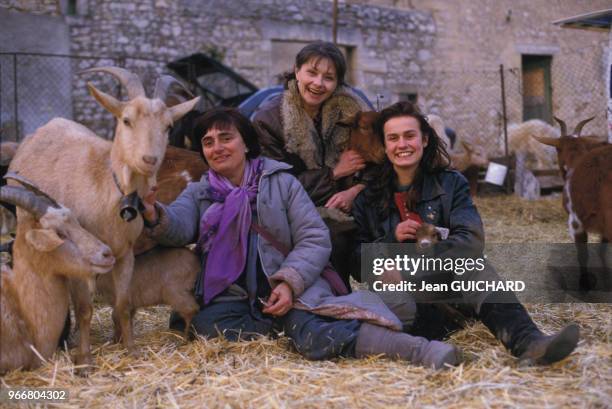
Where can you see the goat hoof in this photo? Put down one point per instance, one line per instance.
(83, 365)
(83, 371)
(134, 352)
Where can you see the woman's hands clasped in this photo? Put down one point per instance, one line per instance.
(280, 300)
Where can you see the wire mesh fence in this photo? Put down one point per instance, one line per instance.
(35, 88)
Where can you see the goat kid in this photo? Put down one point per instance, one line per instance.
(586, 166)
(162, 275)
(93, 177)
(50, 246)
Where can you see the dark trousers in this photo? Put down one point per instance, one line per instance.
(314, 336)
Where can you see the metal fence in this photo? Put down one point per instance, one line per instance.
(37, 87)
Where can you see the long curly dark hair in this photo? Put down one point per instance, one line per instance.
(435, 159)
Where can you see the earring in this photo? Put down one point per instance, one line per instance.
(246, 150)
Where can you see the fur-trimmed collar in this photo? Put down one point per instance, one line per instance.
(299, 131)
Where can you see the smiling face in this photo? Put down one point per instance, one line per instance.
(225, 152)
(316, 81)
(404, 144)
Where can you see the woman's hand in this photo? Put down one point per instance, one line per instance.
(349, 163)
(344, 200)
(148, 202)
(280, 300)
(406, 230)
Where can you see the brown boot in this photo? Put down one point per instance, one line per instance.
(373, 340)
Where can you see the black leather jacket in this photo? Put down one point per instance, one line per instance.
(445, 202)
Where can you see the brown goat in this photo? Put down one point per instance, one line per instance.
(179, 167)
(163, 275)
(362, 138)
(50, 246)
(586, 166)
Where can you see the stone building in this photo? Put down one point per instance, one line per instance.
(445, 54)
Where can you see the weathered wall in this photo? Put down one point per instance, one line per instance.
(478, 35)
(386, 43)
(43, 84)
(447, 52)
(47, 7)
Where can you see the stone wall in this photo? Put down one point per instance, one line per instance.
(34, 88)
(446, 52)
(473, 37)
(387, 47)
(47, 7)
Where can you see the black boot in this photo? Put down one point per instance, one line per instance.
(512, 325)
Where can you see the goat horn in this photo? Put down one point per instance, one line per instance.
(562, 126)
(580, 125)
(25, 199)
(32, 187)
(164, 85)
(129, 80)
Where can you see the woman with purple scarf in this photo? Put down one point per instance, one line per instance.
(241, 214)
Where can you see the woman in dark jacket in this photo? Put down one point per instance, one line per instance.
(417, 167)
(300, 127)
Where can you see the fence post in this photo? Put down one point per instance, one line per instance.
(505, 124)
(15, 97)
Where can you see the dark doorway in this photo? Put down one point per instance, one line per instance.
(537, 89)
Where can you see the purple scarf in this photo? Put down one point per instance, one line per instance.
(224, 228)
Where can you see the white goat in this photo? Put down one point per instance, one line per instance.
(49, 247)
(537, 155)
(95, 178)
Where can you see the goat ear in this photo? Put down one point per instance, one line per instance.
(348, 121)
(547, 140)
(44, 240)
(179, 110)
(110, 103)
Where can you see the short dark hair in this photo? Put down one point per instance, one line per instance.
(223, 118)
(319, 50)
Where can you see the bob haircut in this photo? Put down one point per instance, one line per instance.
(319, 50)
(223, 118)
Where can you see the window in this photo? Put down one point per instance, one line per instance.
(537, 89)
